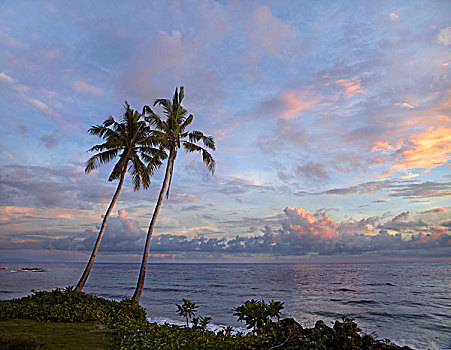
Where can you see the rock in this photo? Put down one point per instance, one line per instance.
(290, 323)
(321, 325)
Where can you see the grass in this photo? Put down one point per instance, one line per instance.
(29, 334)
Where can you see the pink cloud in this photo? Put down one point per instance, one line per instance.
(435, 211)
(122, 213)
(425, 150)
(352, 86)
(404, 105)
(183, 198)
(304, 223)
(294, 104)
(288, 104)
(393, 16)
(11, 213)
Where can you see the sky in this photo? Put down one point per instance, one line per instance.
(331, 120)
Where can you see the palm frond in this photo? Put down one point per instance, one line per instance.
(100, 158)
(139, 173)
(166, 104)
(206, 156)
(119, 167)
(186, 122)
(155, 121)
(196, 136)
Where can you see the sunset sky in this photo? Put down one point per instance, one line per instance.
(331, 120)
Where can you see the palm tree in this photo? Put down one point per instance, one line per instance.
(129, 139)
(171, 134)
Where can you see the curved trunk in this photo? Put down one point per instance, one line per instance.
(88, 268)
(142, 272)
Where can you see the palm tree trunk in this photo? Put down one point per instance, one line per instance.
(142, 272)
(88, 268)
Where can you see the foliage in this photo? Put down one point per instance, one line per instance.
(70, 306)
(257, 313)
(130, 138)
(187, 309)
(130, 329)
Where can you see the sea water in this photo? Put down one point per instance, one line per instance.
(406, 302)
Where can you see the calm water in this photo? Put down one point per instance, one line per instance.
(409, 303)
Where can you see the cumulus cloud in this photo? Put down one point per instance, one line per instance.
(444, 36)
(300, 233)
(122, 234)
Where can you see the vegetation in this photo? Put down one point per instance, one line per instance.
(126, 326)
(257, 313)
(30, 335)
(171, 134)
(130, 139)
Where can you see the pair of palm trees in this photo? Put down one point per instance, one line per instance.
(143, 141)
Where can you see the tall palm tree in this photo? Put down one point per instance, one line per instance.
(171, 135)
(130, 139)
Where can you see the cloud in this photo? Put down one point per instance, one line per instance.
(122, 234)
(311, 172)
(179, 197)
(166, 60)
(352, 86)
(406, 189)
(235, 186)
(88, 89)
(51, 140)
(435, 211)
(27, 94)
(444, 36)
(404, 105)
(7, 78)
(423, 151)
(269, 35)
(303, 223)
(393, 16)
(289, 103)
(300, 233)
(287, 134)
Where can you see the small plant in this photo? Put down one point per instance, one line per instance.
(187, 309)
(201, 322)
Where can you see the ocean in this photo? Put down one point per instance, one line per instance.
(406, 302)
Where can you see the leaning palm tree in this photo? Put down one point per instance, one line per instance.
(171, 135)
(130, 139)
